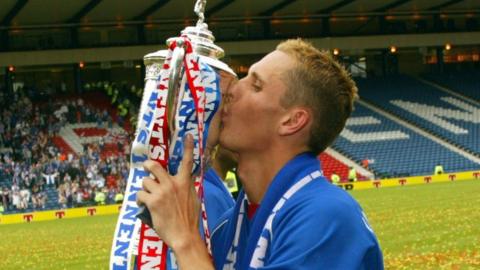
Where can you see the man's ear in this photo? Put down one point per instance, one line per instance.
(294, 121)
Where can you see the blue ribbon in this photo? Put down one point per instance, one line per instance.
(187, 118)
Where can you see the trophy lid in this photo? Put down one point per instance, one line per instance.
(202, 41)
(155, 57)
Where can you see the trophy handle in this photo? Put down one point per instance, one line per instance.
(173, 83)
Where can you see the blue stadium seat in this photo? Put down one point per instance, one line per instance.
(394, 149)
(465, 83)
(451, 118)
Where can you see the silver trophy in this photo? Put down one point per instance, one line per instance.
(202, 43)
(202, 40)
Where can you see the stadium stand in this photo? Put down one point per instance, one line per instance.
(465, 82)
(394, 149)
(450, 118)
(330, 165)
(80, 143)
(39, 167)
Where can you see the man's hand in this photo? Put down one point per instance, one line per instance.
(174, 206)
(171, 199)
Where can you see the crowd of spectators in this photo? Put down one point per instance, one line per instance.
(31, 165)
(124, 97)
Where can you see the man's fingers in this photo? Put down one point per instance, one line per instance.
(161, 175)
(149, 184)
(185, 170)
(156, 169)
(142, 197)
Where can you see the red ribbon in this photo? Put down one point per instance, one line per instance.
(152, 252)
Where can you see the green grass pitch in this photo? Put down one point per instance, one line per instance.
(435, 226)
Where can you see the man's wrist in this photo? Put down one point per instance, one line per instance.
(192, 253)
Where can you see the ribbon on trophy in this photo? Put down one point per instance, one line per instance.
(181, 95)
(191, 116)
(198, 98)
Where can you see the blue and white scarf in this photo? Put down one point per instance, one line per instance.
(296, 174)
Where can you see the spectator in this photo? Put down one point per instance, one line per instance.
(100, 197)
(119, 197)
(62, 197)
(35, 197)
(16, 199)
(352, 174)
(78, 198)
(86, 195)
(49, 176)
(100, 181)
(365, 163)
(5, 198)
(101, 144)
(110, 195)
(231, 182)
(38, 198)
(24, 198)
(30, 160)
(67, 178)
(438, 169)
(335, 178)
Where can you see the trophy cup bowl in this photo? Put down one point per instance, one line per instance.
(202, 41)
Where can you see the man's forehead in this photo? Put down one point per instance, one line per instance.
(259, 69)
(254, 67)
(274, 62)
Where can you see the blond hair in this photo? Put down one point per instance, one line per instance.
(322, 84)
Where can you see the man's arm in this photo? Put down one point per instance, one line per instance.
(193, 255)
(174, 207)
